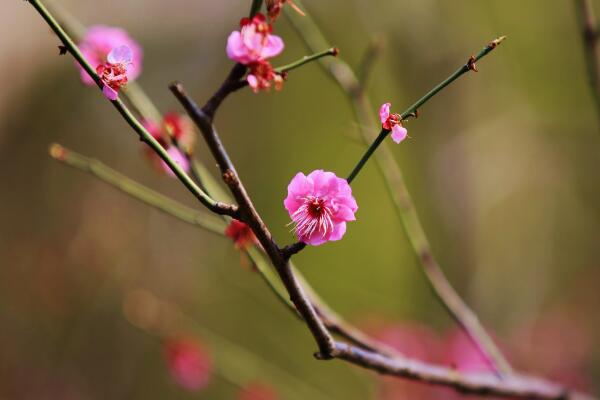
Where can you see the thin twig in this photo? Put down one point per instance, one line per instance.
(368, 60)
(144, 135)
(250, 216)
(342, 74)
(588, 25)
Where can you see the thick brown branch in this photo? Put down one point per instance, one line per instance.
(590, 36)
(232, 83)
(250, 216)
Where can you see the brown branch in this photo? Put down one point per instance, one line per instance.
(345, 77)
(368, 355)
(251, 217)
(590, 36)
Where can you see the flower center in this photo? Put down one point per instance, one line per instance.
(314, 215)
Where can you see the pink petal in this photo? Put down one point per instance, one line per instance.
(399, 133)
(315, 239)
(345, 213)
(179, 158)
(110, 93)
(235, 48)
(253, 82)
(120, 55)
(384, 112)
(339, 231)
(273, 47)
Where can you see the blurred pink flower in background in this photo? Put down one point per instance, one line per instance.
(113, 72)
(253, 42)
(392, 122)
(557, 346)
(180, 159)
(462, 354)
(258, 391)
(320, 204)
(99, 40)
(189, 363)
(173, 127)
(241, 234)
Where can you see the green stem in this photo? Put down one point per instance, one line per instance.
(412, 110)
(341, 73)
(306, 59)
(128, 116)
(255, 7)
(382, 135)
(137, 190)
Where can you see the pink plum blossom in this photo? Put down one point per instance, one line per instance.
(180, 159)
(99, 40)
(189, 363)
(113, 72)
(392, 122)
(261, 75)
(241, 234)
(320, 204)
(253, 42)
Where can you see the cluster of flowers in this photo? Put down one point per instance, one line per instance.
(319, 204)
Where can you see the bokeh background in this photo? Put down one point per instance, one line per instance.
(503, 167)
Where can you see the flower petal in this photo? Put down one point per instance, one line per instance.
(399, 133)
(109, 93)
(120, 55)
(384, 112)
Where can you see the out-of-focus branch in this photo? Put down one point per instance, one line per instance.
(369, 57)
(342, 73)
(371, 354)
(588, 25)
(144, 135)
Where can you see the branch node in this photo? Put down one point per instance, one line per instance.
(471, 63)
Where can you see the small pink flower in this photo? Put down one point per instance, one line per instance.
(99, 40)
(113, 72)
(261, 75)
(258, 391)
(189, 363)
(392, 122)
(179, 158)
(320, 204)
(241, 234)
(253, 42)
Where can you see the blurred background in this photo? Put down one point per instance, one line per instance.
(503, 167)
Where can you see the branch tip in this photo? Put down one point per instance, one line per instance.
(57, 152)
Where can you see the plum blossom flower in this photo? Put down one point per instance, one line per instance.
(258, 391)
(392, 122)
(99, 40)
(274, 8)
(241, 234)
(113, 72)
(173, 128)
(254, 41)
(320, 204)
(189, 363)
(180, 159)
(261, 75)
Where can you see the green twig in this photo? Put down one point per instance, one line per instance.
(344, 76)
(413, 109)
(306, 59)
(144, 135)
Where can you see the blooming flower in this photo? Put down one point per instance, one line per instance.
(392, 122)
(261, 75)
(99, 40)
(257, 391)
(113, 72)
(320, 204)
(253, 42)
(189, 363)
(180, 159)
(274, 8)
(240, 233)
(173, 127)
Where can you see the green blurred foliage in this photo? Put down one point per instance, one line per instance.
(503, 167)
